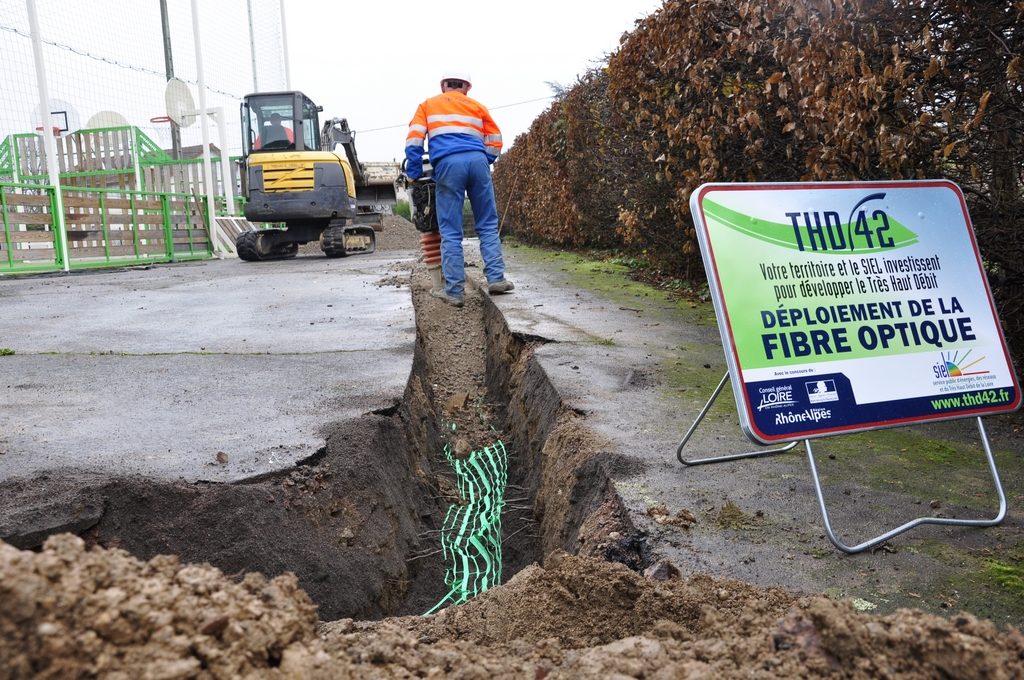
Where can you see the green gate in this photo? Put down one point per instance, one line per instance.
(102, 228)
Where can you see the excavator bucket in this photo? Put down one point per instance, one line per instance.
(377, 191)
(380, 183)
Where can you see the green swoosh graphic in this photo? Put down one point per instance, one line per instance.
(782, 235)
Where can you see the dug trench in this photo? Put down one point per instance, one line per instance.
(360, 522)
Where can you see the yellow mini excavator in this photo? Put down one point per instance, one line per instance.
(307, 181)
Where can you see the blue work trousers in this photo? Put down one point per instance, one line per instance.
(458, 175)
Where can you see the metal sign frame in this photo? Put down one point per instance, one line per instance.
(832, 327)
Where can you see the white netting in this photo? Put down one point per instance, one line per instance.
(105, 60)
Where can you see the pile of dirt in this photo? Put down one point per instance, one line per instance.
(397, 233)
(580, 617)
(69, 612)
(72, 612)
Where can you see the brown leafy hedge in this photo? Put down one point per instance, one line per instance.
(775, 90)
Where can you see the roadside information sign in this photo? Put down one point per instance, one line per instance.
(850, 306)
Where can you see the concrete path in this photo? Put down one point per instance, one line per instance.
(218, 370)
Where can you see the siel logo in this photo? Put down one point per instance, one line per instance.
(952, 365)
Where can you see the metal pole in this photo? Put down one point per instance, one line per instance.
(284, 48)
(731, 456)
(169, 70)
(225, 165)
(205, 125)
(48, 143)
(252, 48)
(137, 159)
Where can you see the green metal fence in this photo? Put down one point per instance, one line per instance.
(176, 175)
(7, 158)
(120, 157)
(91, 227)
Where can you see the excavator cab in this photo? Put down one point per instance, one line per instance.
(280, 121)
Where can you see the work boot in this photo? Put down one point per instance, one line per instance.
(450, 299)
(499, 287)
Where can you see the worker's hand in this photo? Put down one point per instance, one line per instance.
(410, 179)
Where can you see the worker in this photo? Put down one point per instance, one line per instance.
(463, 143)
(275, 132)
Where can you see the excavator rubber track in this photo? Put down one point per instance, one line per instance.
(339, 241)
(258, 246)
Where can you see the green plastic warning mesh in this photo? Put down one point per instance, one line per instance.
(471, 534)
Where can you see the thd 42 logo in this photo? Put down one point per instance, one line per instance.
(867, 228)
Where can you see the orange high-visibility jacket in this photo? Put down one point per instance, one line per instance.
(275, 133)
(453, 123)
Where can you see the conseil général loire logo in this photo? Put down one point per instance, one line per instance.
(775, 396)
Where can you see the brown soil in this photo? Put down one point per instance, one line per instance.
(454, 342)
(88, 609)
(395, 234)
(71, 612)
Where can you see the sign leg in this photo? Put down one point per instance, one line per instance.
(1000, 515)
(717, 459)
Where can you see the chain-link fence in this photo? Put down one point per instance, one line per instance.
(107, 64)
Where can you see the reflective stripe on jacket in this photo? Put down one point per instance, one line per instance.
(453, 123)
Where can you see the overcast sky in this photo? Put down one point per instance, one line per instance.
(373, 62)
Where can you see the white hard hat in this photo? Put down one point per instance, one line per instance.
(453, 74)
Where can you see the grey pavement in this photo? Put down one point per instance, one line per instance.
(218, 370)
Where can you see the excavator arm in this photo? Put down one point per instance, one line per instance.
(375, 186)
(336, 133)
